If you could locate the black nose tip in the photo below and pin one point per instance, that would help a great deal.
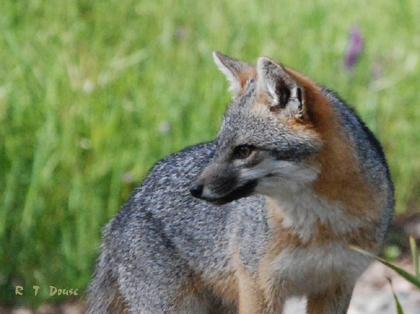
(197, 190)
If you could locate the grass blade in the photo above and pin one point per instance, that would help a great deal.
(397, 302)
(414, 280)
(415, 254)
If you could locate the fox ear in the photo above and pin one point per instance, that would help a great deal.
(237, 72)
(278, 85)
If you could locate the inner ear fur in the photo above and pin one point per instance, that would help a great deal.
(278, 87)
(236, 72)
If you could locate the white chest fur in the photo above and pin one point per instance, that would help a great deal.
(318, 263)
(312, 270)
(303, 211)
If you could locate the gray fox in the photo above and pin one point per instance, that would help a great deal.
(265, 212)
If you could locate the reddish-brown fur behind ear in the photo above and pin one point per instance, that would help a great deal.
(244, 78)
(340, 178)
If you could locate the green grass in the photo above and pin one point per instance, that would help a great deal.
(85, 86)
(413, 279)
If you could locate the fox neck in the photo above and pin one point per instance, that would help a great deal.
(306, 212)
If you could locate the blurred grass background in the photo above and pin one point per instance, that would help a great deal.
(92, 93)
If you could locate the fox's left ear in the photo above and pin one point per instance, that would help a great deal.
(237, 72)
(276, 85)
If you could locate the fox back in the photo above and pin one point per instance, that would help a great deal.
(265, 212)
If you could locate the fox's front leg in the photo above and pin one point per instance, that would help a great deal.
(253, 302)
(336, 301)
(252, 299)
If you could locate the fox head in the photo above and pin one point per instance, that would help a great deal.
(267, 142)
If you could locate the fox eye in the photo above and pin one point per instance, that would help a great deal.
(243, 151)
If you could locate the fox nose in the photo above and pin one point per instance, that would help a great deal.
(197, 190)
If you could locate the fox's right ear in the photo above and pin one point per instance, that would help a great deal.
(277, 85)
(237, 72)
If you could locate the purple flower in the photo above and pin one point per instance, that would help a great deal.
(354, 47)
